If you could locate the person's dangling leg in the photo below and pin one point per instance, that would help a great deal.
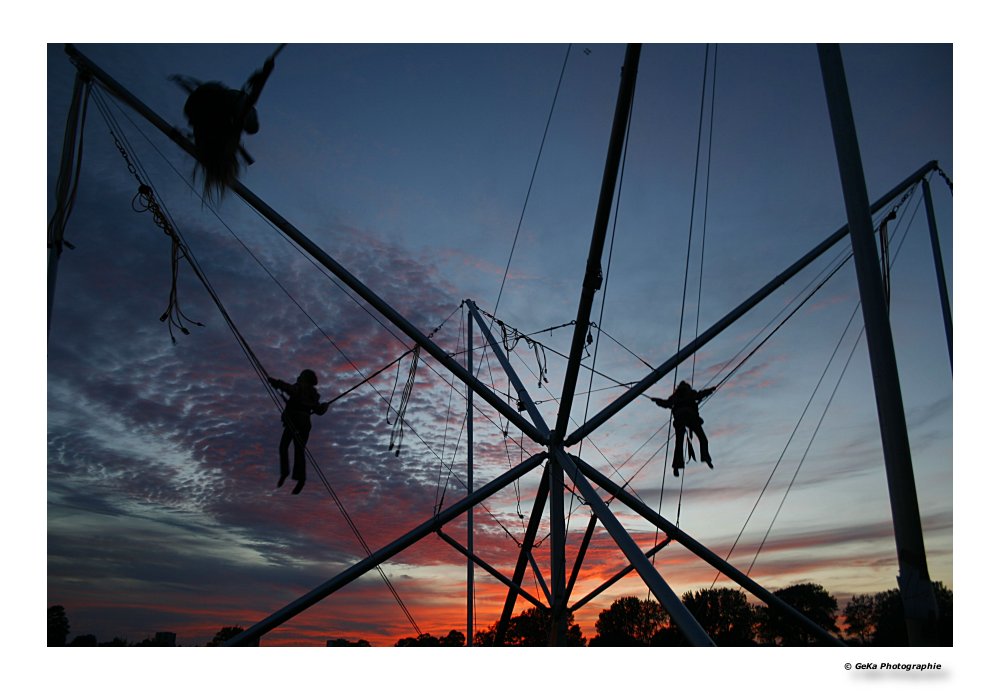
(678, 448)
(703, 444)
(286, 441)
(299, 470)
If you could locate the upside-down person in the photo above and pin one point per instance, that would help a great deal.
(219, 116)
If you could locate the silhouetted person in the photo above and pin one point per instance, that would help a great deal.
(302, 402)
(684, 403)
(219, 116)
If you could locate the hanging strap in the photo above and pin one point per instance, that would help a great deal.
(396, 435)
(883, 237)
(145, 201)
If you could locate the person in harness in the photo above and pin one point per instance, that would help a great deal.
(301, 403)
(684, 404)
(219, 116)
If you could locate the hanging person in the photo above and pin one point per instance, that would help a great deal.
(302, 402)
(684, 404)
(219, 116)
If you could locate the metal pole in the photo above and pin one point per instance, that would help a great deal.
(670, 364)
(581, 553)
(557, 522)
(385, 553)
(522, 557)
(938, 266)
(557, 550)
(491, 571)
(915, 585)
(539, 577)
(674, 533)
(318, 254)
(617, 577)
(679, 614)
(522, 392)
(592, 276)
(57, 226)
(470, 574)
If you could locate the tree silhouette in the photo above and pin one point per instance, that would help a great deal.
(58, 626)
(629, 621)
(813, 601)
(84, 640)
(226, 633)
(530, 628)
(860, 618)
(877, 619)
(344, 643)
(454, 638)
(723, 613)
(161, 639)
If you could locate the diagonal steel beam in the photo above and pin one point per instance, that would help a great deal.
(675, 533)
(324, 259)
(491, 571)
(384, 554)
(522, 393)
(581, 553)
(522, 557)
(617, 577)
(939, 267)
(539, 577)
(673, 362)
(679, 614)
(592, 275)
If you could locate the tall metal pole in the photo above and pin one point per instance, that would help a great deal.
(557, 551)
(916, 589)
(938, 266)
(470, 516)
(592, 275)
(557, 521)
(60, 216)
(592, 280)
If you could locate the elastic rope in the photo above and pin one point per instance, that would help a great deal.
(262, 374)
(905, 199)
(687, 267)
(531, 182)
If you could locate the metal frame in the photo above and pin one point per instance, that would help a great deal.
(558, 463)
(919, 605)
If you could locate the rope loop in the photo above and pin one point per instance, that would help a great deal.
(946, 178)
(396, 435)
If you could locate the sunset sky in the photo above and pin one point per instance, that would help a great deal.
(410, 165)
